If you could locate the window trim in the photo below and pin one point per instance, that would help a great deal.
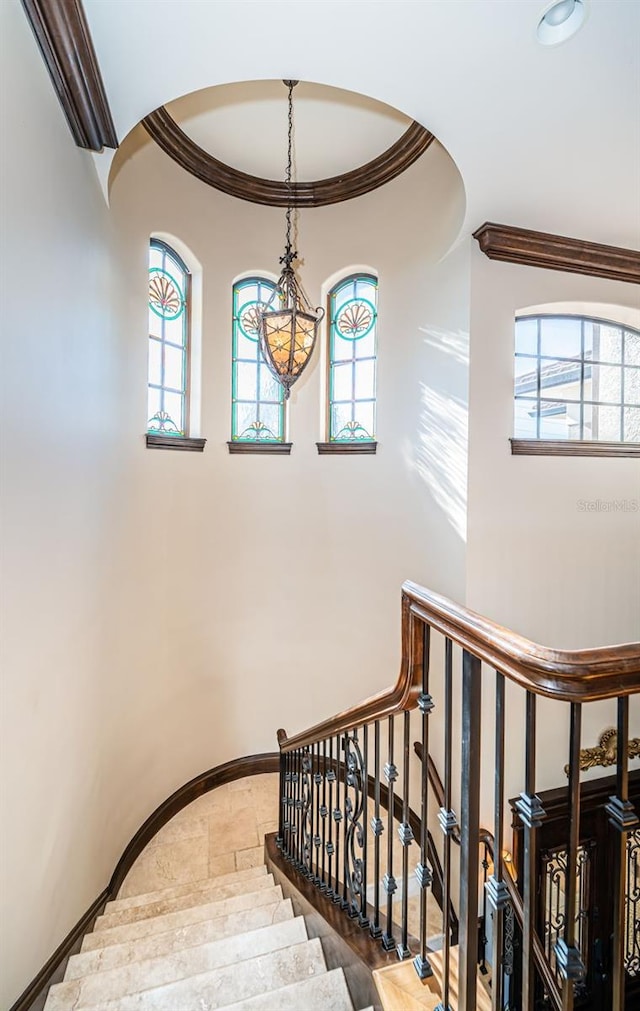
(573, 447)
(334, 447)
(265, 446)
(184, 441)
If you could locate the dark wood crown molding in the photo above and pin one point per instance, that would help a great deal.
(63, 35)
(557, 252)
(164, 130)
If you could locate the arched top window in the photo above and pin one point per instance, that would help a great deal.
(258, 407)
(169, 319)
(577, 378)
(352, 315)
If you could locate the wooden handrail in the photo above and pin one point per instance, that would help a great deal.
(585, 675)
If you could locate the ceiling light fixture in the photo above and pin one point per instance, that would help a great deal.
(288, 324)
(560, 21)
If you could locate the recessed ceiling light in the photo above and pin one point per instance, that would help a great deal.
(560, 22)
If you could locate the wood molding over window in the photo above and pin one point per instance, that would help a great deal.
(348, 448)
(63, 35)
(188, 444)
(557, 252)
(163, 129)
(567, 447)
(267, 448)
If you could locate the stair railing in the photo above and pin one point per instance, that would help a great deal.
(326, 833)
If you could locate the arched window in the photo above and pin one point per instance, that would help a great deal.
(576, 379)
(258, 409)
(353, 313)
(169, 316)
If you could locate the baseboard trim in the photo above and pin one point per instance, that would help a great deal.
(250, 765)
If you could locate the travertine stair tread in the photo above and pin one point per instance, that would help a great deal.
(153, 945)
(401, 989)
(328, 992)
(213, 893)
(483, 1001)
(147, 974)
(180, 918)
(185, 888)
(230, 984)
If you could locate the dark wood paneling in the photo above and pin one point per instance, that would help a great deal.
(62, 33)
(558, 252)
(559, 447)
(251, 765)
(346, 448)
(164, 130)
(268, 448)
(186, 444)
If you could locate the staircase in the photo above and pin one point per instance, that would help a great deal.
(233, 942)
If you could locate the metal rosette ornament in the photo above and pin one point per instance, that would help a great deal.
(288, 324)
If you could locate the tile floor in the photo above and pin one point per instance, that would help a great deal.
(224, 831)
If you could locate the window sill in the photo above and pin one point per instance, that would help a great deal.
(559, 447)
(185, 443)
(268, 448)
(348, 448)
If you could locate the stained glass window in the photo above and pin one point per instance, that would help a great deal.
(169, 293)
(353, 316)
(258, 411)
(576, 378)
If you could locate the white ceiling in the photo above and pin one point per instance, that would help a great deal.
(245, 125)
(545, 138)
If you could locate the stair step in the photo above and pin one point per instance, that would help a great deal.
(147, 974)
(328, 992)
(483, 1000)
(212, 893)
(173, 891)
(401, 989)
(155, 945)
(218, 988)
(181, 918)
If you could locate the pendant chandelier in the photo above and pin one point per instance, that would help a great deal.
(288, 325)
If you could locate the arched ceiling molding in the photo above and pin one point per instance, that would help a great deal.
(164, 130)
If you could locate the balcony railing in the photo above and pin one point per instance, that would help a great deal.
(353, 836)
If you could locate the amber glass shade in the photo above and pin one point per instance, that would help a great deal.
(287, 340)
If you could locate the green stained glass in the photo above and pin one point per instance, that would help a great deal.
(169, 288)
(258, 410)
(353, 319)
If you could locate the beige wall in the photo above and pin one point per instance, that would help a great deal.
(538, 561)
(160, 613)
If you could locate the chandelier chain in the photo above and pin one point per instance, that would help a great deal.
(289, 256)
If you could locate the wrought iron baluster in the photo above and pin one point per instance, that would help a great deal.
(496, 889)
(377, 828)
(532, 815)
(307, 813)
(391, 774)
(363, 918)
(448, 821)
(405, 836)
(337, 817)
(624, 820)
(354, 840)
(323, 815)
(331, 777)
(568, 958)
(345, 804)
(281, 802)
(423, 871)
(470, 830)
(286, 822)
(317, 838)
(297, 807)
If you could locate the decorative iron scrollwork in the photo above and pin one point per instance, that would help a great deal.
(355, 827)
(632, 905)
